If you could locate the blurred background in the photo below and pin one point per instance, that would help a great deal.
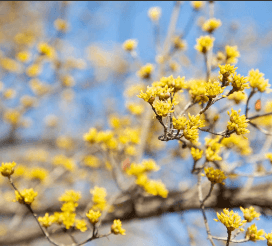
(63, 70)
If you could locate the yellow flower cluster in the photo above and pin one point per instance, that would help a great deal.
(26, 196)
(9, 64)
(47, 220)
(237, 122)
(197, 5)
(239, 143)
(34, 70)
(213, 89)
(216, 176)
(145, 71)
(105, 138)
(145, 166)
(163, 108)
(38, 87)
(99, 198)
(136, 109)
(9, 93)
(117, 122)
(154, 13)
(116, 228)
(191, 130)
(237, 97)
(150, 186)
(170, 83)
(93, 216)
(67, 163)
(250, 214)
(232, 53)
(130, 44)
(91, 161)
(196, 153)
(269, 239)
(179, 44)
(65, 142)
(12, 116)
(253, 234)
(46, 50)
(179, 123)
(226, 73)
(198, 90)
(256, 80)
(213, 149)
(37, 173)
(68, 81)
(81, 225)
(67, 216)
(204, 44)
(269, 156)
(7, 168)
(28, 101)
(61, 25)
(239, 82)
(23, 56)
(211, 25)
(230, 219)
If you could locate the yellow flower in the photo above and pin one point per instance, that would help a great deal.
(68, 81)
(225, 73)
(237, 122)
(145, 71)
(213, 89)
(163, 108)
(269, 239)
(91, 161)
(12, 116)
(93, 216)
(253, 234)
(211, 25)
(196, 153)
(46, 221)
(198, 90)
(9, 93)
(239, 143)
(154, 13)
(216, 176)
(213, 148)
(26, 196)
(81, 225)
(38, 173)
(232, 54)
(70, 196)
(27, 101)
(116, 228)
(7, 168)
(65, 142)
(9, 64)
(179, 123)
(230, 219)
(130, 45)
(239, 82)
(250, 214)
(197, 5)
(61, 25)
(69, 207)
(136, 109)
(33, 70)
(269, 156)
(156, 188)
(149, 95)
(68, 219)
(256, 80)
(204, 44)
(90, 136)
(23, 56)
(99, 198)
(237, 97)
